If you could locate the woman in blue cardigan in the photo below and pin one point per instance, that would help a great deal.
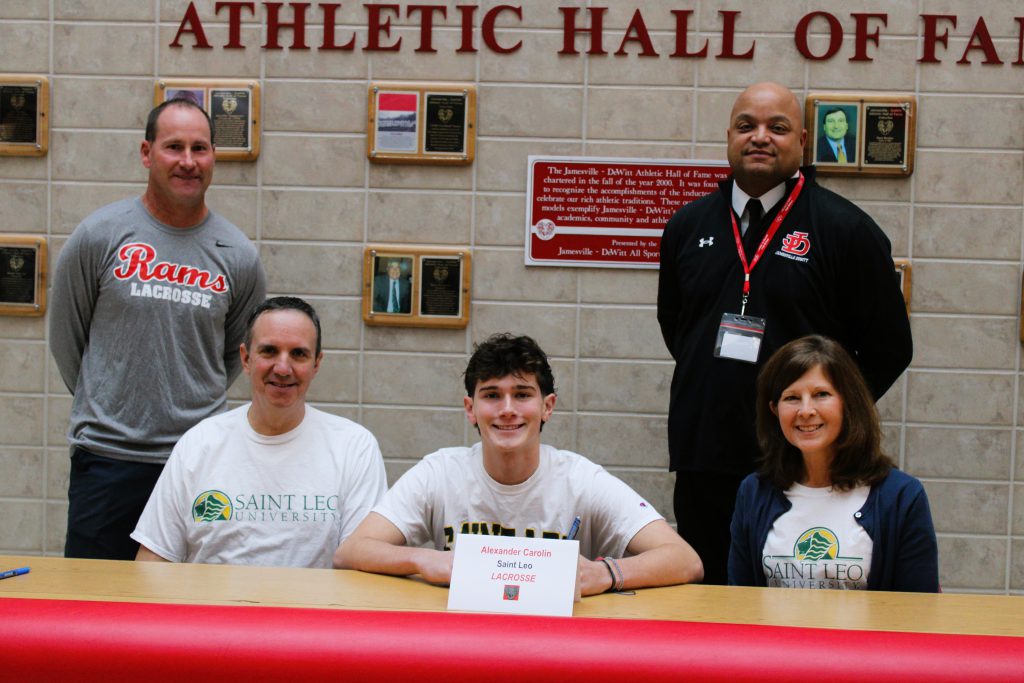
(827, 509)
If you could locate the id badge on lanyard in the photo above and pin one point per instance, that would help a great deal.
(739, 336)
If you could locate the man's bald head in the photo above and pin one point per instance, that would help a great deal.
(766, 137)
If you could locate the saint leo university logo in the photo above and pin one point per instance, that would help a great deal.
(211, 506)
(816, 544)
(796, 243)
(511, 592)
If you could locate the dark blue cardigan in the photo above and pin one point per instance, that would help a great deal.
(904, 554)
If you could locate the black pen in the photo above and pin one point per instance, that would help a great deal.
(16, 572)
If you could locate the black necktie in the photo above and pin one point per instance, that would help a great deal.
(754, 213)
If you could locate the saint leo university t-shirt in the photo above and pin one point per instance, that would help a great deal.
(818, 543)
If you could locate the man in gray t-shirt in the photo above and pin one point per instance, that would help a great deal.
(150, 297)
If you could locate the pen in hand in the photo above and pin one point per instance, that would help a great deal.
(14, 572)
(574, 529)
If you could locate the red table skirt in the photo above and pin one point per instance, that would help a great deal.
(56, 640)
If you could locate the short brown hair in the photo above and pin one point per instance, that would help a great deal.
(859, 459)
(154, 116)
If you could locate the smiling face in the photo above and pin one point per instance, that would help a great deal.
(180, 162)
(836, 125)
(810, 412)
(765, 137)
(508, 412)
(281, 362)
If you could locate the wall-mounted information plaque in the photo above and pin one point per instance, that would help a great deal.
(409, 286)
(860, 134)
(233, 106)
(421, 123)
(24, 115)
(22, 275)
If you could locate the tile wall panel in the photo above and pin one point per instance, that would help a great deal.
(313, 201)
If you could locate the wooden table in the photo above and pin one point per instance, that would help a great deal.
(103, 620)
(58, 578)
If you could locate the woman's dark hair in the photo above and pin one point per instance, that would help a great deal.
(859, 459)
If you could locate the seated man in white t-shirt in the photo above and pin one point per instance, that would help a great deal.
(509, 484)
(274, 482)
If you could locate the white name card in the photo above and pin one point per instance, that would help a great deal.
(513, 575)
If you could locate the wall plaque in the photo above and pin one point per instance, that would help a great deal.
(860, 134)
(22, 275)
(608, 212)
(24, 115)
(412, 123)
(412, 286)
(233, 107)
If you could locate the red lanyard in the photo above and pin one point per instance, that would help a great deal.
(783, 212)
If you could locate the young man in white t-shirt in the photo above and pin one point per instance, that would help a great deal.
(274, 482)
(510, 484)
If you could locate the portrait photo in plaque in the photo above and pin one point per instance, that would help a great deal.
(415, 286)
(392, 284)
(860, 133)
(24, 102)
(836, 139)
(232, 105)
(22, 281)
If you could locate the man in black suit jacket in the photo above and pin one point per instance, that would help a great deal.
(836, 126)
(384, 301)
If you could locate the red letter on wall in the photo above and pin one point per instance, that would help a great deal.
(1020, 41)
(682, 27)
(426, 24)
(569, 30)
(931, 36)
(639, 28)
(467, 12)
(375, 26)
(981, 39)
(330, 11)
(235, 21)
(861, 35)
(487, 28)
(835, 39)
(298, 25)
(195, 27)
(729, 38)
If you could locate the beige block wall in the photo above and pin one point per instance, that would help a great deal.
(312, 201)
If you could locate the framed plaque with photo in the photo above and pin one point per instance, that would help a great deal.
(233, 107)
(421, 123)
(24, 115)
(412, 286)
(22, 275)
(860, 134)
